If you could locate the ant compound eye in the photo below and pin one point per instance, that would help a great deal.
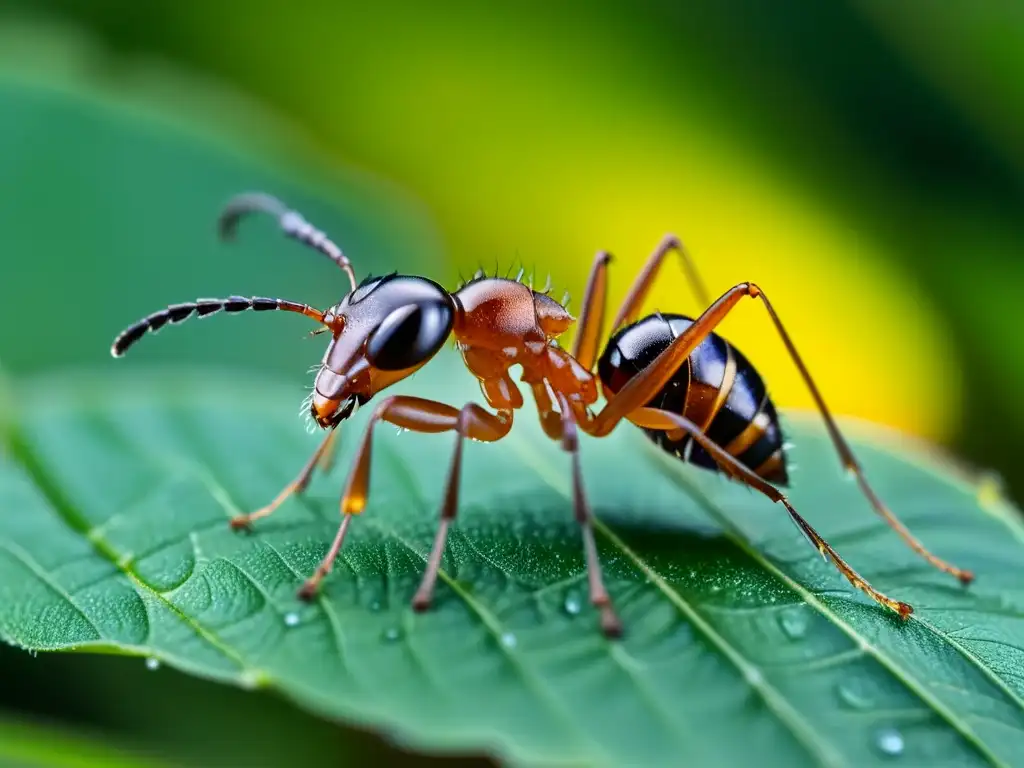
(409, 335)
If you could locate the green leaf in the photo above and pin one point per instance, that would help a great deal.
(741, 646)
(29, 745)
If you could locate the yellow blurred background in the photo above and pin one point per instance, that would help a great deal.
(543, 132)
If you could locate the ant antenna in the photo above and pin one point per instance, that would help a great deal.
(291, 222)
(176, 313)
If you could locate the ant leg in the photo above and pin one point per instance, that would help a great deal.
(642, 387)
(326, 458)
(610, 623)
(651, 418)
(550, 419)
(418, 415)
(591, 322)
(641, 286)
(647, 383)
(476, 423)
(850, 462)
(298, 485)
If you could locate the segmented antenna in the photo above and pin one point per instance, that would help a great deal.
(292, 224)
(176, 313)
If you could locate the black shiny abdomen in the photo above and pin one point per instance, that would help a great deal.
(697, 391)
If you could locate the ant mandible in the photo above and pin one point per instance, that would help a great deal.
(689, 389)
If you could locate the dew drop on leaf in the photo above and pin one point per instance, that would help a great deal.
(391, 634)
(375, 606)
(508, 640)
(291, 619)
(152, 664)
(890, 742)
(573, 604)
(794, 623)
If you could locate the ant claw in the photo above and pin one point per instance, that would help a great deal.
(905, 610)
(241, 523)
(308, 590)
(420, 603)
(611, 625)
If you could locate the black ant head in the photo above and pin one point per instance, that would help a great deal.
(384, 330)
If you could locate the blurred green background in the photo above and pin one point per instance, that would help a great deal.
(862, 161)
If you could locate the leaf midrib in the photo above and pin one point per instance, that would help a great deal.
(22, 454)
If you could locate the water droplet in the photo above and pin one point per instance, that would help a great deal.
(890, 742)
(391, 634)
(794, 623)
(152, 664)
(509, 640)
(856, 694)
(573, 604)
(375, 606)
(291, 619)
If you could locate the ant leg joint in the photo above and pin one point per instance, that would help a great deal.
(421, 603)
(611, 624)
(309, 589)
(241, 523)
(671, 240)
(307, 592)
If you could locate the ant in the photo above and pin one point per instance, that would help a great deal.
(689, 389)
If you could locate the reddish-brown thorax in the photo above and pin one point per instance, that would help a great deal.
(500, 323)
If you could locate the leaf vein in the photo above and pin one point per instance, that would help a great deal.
(29, 562)
(908, 680)
(787, 715)
(494, 627)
